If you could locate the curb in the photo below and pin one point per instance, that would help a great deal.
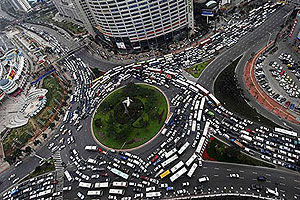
(140, 146)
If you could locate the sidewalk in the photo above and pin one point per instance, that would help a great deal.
(261, 97)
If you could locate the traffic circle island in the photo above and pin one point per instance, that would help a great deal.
(130, 116)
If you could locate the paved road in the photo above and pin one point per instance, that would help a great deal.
(246, 46)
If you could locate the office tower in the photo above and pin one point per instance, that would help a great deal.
(137, 25)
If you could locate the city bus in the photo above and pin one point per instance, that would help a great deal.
(68, 176)
(116, 191)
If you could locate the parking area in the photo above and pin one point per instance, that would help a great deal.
(279, 75)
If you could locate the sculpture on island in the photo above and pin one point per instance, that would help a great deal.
(126, 104)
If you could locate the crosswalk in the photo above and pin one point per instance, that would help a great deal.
(59, 174)
(57, 160)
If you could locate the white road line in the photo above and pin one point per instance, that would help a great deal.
(254, 172)
(282, 177)
(216, 175)
(242, 171)
(297, 181)
(229, 170)
(268, 174)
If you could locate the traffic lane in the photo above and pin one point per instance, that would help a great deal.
(89, 59)
(29, 164)
(250, 40)
(284, 180)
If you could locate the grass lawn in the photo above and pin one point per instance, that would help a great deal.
(117, 129)
(197, 69)
(43, 169)
(217, 150)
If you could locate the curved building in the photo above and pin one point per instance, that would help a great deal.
(8, 86)
(139, 25)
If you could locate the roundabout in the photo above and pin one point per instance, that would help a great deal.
(130, 116)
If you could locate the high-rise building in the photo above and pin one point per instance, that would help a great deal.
(21, 5)
(67, 9)
(129, 25)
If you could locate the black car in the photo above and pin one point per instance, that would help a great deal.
(256, 187)
(261, 178)
(137, 189)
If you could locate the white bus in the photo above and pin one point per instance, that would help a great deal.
(101, 185)
(192, 170)
(95, 193)
(170, 160)
(177, 166)
(68, 176)
(183, 148)
(119, 184)
(286, 132)
(191, 160)
(202, 103)
(199, 116)
(116, 191)
(194, 124)
(178, 174)
(171, 152)
(91, 148)
(85, 185)
(153, 194)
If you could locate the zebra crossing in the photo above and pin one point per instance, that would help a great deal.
(59, 174)
(57, 161)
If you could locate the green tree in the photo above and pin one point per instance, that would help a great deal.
(28, 149)
(98, 122)
(44, 135)
(52, 125)
(231, 152)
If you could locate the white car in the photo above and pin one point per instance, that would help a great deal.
(183, 191)
(185, 184)
(234, 175)
(80, 195)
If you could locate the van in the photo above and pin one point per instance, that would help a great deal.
(203, 179)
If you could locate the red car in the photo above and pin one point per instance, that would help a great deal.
(287, 104)
(145, 178)
(104, 174)
(154, 158)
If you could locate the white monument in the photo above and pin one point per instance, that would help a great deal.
(126, 104)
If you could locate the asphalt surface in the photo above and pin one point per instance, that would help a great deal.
(249, 44)
(286, 181)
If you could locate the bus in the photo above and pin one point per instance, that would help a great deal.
(101, 185)
(171, 152)
(116, 191)
(191, 160)
(85, 185)
(166, 173)
(153, 194)
(169, 161)
(177, 166)
(286, 132)
(97, 79)
(192, 170)
(183, 148)
(94, 193)
(178, 174)
(119, 184)
(91, 148)
(214, 99)
(68, 176)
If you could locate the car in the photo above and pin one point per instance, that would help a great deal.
(137, 190)
(234, 175)
(203, 179)
(261, 178)
(169, 188)
(163, 185)
(185, 184)
(80, 195)
(67, 188)
(183, 191)
(256, 187)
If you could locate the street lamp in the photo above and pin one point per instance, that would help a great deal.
(269, 38)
